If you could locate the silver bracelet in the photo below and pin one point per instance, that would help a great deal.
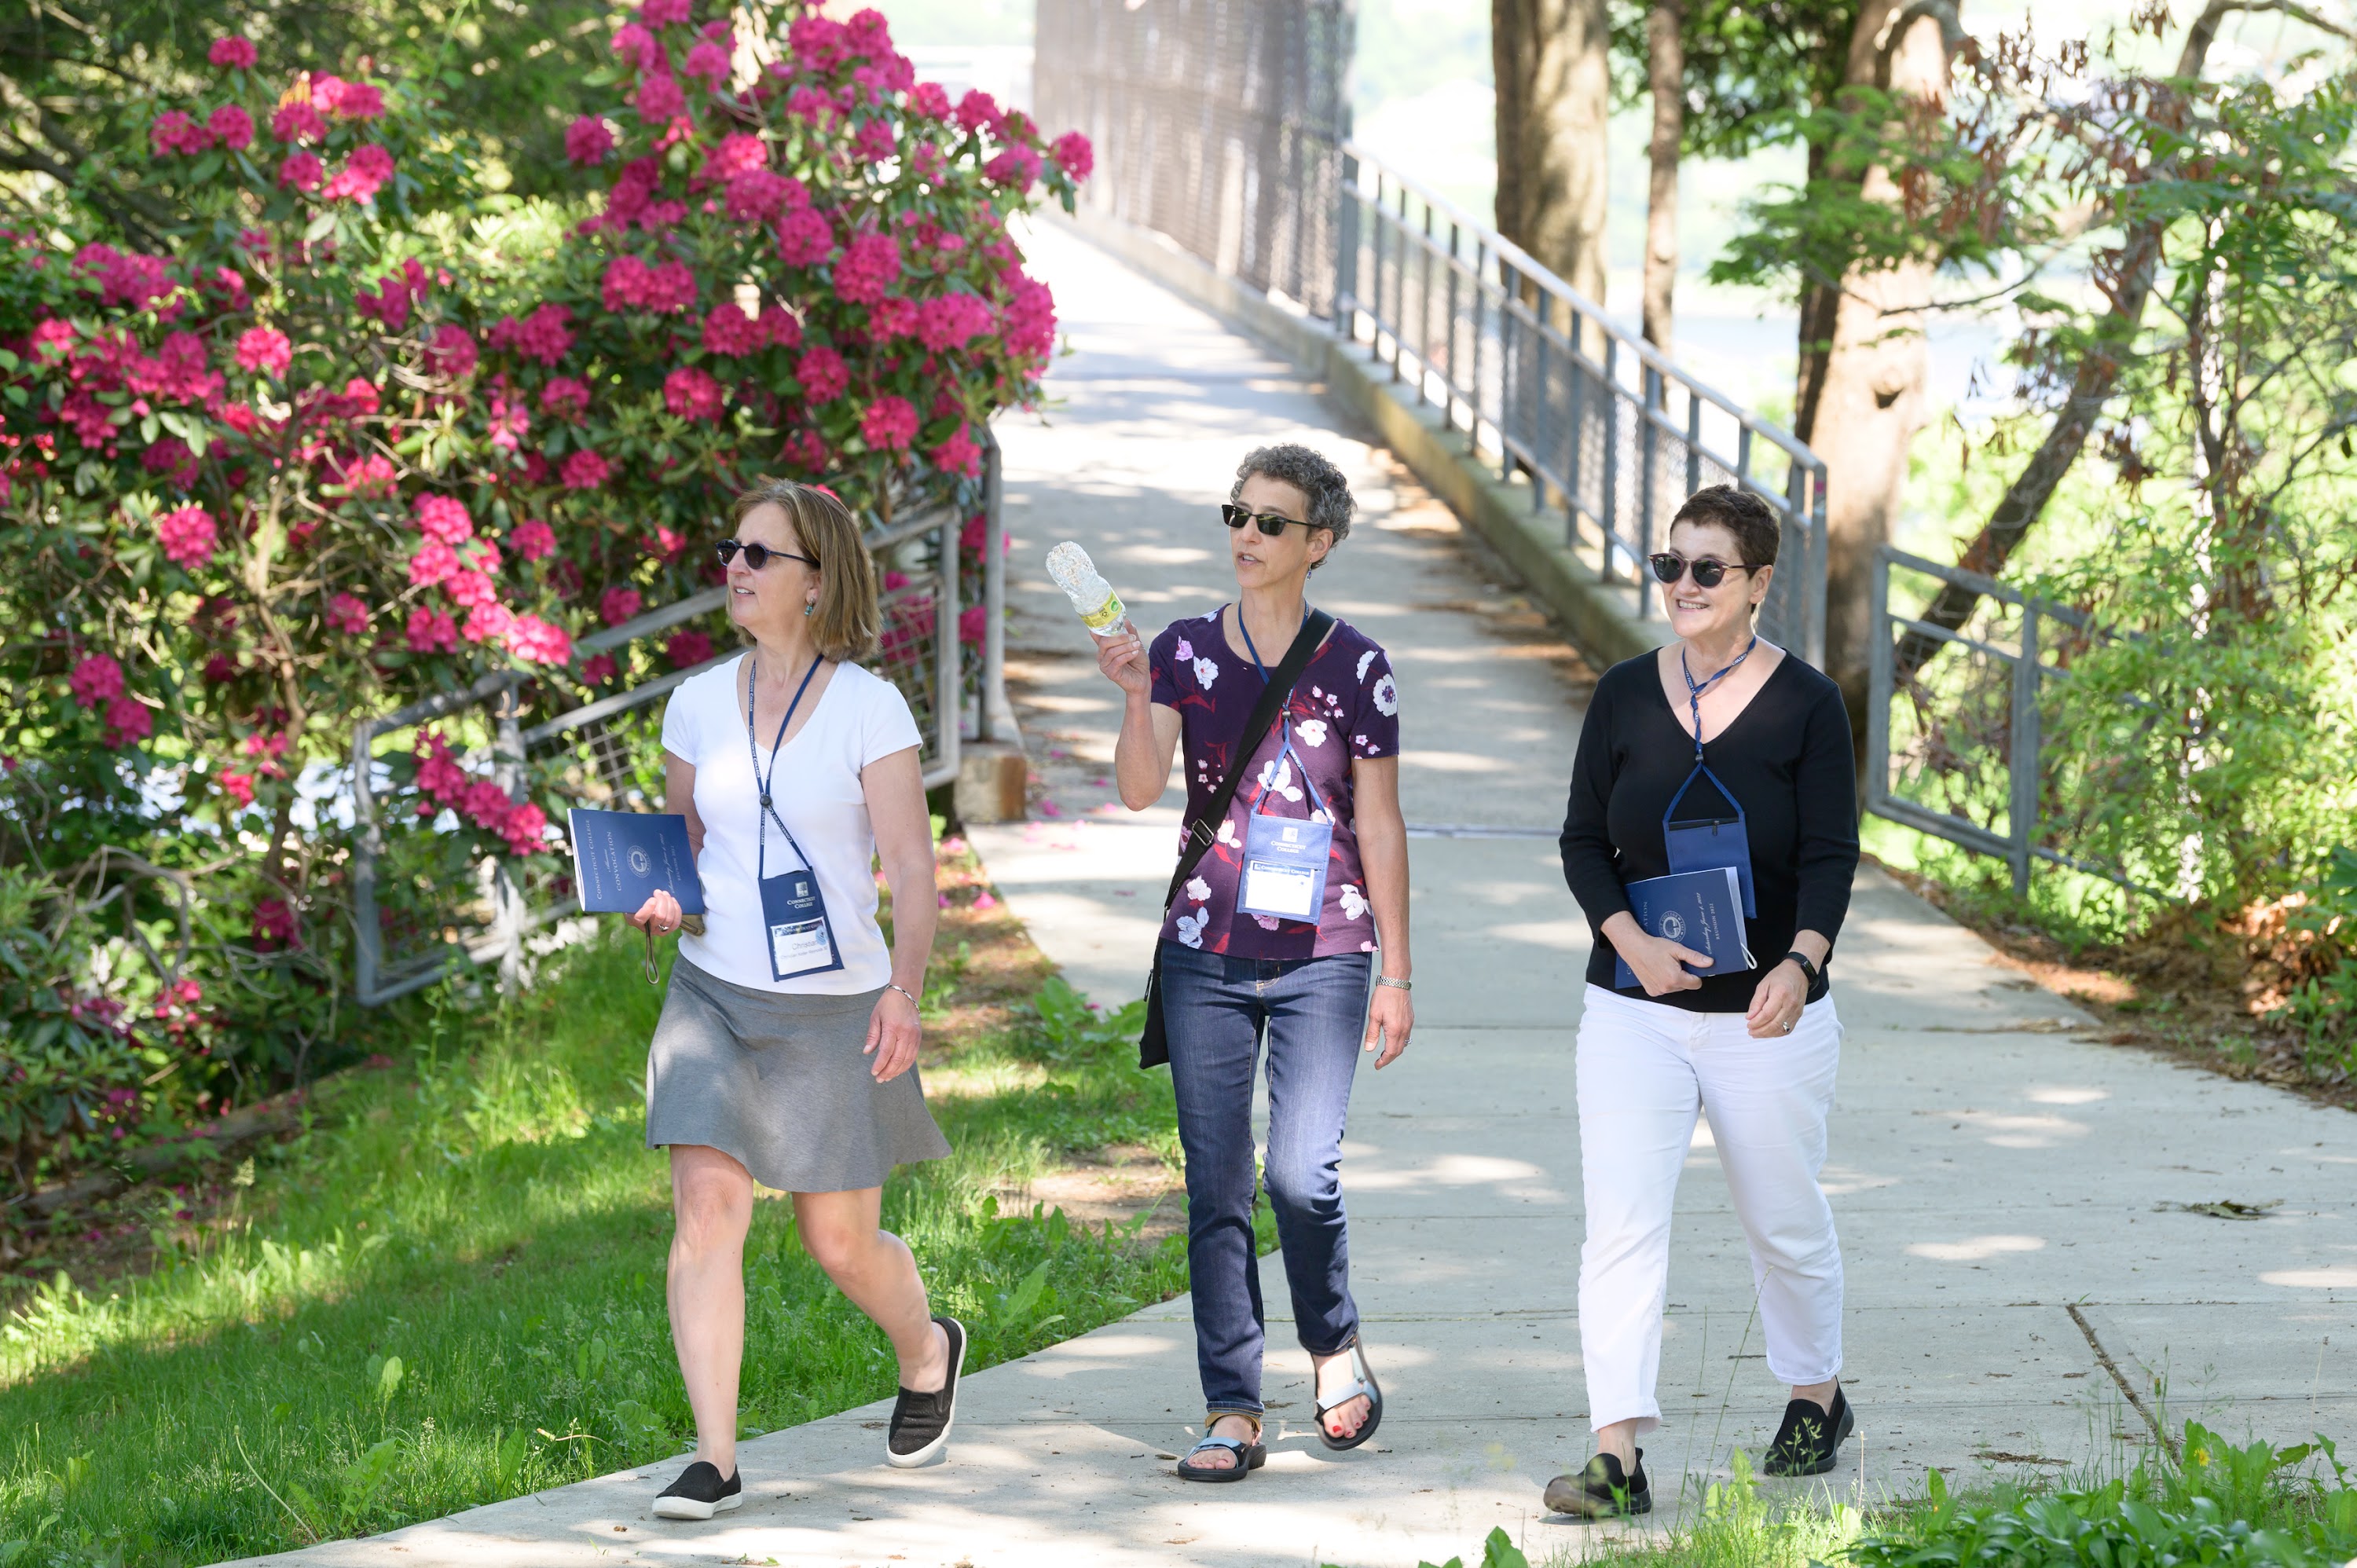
(1396, 984)
(907, 993)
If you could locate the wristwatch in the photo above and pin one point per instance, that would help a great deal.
(1811, 971)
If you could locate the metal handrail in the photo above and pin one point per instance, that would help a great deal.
(1542, 381)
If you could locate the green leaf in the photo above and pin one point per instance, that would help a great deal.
(388, 1381)
(319, 228)
(205, 167)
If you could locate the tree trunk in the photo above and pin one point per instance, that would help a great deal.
(1665, 62)
(1863, 366)
(1554, 96)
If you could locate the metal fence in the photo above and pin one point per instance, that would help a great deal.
(1964, 745)
(1219, 122)
(1540, 379)
(414, 925)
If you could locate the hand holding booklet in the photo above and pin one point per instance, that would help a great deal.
(620, 858)
(1697, 909)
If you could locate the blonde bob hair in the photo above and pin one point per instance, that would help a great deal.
(844, 625)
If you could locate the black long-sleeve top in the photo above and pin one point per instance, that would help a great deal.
(1786, 758)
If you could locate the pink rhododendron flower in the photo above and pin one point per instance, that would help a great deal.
(232, 127)
(510, 423)
(525, 826)
(536, 641)
(232, 54)
(131, 280)
(444, 518)
(303, 171)
(273, 924)
(894, 315)
(729, 330)
(189, 536)
(171, 457)
(615, 606)
(238, 787)
(868, 265)
(708, 61)
(127, 719)
(690, 392)
(757, 195)
(1030, 319)
(637, 48)
(1015, 168)
(95, 680)
(663, 13)
(874, 141)
(174, 133)
(354, 100)
(929, 99)
(959, 455)
(488, 621)
(587, 141)
(468, 586)
(952, 321)
(434, 562)
(348, 615)
(687, 649)
(818, 42)
(298, 122)
(889, 424)
(823, 374)
(585, 470)
(977, 111)
(533, 540)
(630, 283)
(266, 349)
(780, 327)
(1073, 155)
(737, 152)
(363, 174)
(660, 98)
(565, 398)
(432, 631)
(599, 669)
(452, 353)
(972, 622)
(804, 238)
(544, 335)
(371, 476)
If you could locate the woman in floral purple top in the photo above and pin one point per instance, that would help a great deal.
(1242, 954)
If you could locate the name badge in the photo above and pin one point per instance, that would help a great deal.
(801, 939)
(1285, 867)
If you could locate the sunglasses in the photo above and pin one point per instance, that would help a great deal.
(1268, 522)
(1669, 566)
(756, 555)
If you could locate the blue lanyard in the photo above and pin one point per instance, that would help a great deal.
(770, 811)
(1694, 689)
(1285, 720)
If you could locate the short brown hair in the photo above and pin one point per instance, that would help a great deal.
(1743, 514)
(844, 625)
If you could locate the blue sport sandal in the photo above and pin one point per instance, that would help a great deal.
(1251, 1454)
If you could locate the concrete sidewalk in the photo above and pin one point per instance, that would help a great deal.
(2004, 1187)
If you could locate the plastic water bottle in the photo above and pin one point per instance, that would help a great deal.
(1100, 608)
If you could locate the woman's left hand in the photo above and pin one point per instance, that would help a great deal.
(893, 1033)
(1776, 1005)
(1390, 1018)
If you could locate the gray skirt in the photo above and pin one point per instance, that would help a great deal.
(781, 1082)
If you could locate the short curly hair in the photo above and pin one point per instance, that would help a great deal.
(1320, 483)
(1743, 514)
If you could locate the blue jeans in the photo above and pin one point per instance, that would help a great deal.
(1215, 1009)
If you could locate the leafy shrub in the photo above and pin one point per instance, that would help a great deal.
(350, 430)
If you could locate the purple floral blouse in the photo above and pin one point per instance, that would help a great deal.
(1345, 706)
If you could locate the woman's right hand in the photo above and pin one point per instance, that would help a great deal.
(660, 914)
(1658, 963)
(1122, 658)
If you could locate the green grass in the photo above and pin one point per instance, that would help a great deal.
(450, 1291)
(2222, 1506)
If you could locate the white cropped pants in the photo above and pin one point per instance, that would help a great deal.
(1646, 1069)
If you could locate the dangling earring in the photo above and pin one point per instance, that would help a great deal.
(809, 605)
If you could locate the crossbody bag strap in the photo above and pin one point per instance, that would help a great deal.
(1200, 834)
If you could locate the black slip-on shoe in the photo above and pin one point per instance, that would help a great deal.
(699, 1493)
(1810, 1437)
(921, 1422)
(1602, 1491)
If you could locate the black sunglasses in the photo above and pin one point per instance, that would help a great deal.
(759, 555)
(1668, 567)
(1268, 522)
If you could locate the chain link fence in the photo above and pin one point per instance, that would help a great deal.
(1219, 122)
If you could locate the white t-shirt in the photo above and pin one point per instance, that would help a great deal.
(859, 717)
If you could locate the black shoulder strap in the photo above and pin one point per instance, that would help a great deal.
(1200, 833)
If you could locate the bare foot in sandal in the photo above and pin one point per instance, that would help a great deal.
(1241, 1427)
(1335, 1373)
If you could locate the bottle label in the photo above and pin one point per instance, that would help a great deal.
(1105, 617)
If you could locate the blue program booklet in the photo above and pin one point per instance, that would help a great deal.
(621, 857)
(1699, 910)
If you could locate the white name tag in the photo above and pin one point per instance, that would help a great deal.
(800, 947)
(1272, 887)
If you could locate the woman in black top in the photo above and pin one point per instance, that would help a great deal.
(1719, 750)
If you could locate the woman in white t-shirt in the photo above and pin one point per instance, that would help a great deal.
(786, 1048)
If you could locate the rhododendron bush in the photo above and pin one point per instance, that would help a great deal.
(360, 433)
